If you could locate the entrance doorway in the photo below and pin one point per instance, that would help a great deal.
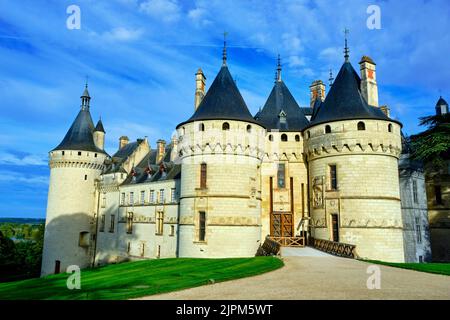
(335, 227)
(57, 266)
(281, 225)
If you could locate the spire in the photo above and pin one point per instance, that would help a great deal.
(331, 78)
(346, 49)
(279, 69)
(224, 52)
(85, 98)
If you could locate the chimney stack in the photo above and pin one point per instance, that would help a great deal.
(317, 89)
(200, 81)
(174, 151)
(369, 88)
(161, 150)
(123, 141)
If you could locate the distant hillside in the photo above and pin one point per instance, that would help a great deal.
(22, 220)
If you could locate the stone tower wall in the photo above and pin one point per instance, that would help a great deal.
(72, 202)
(367, 198)
(232, 197)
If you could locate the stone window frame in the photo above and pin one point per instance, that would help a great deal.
(112, 225)
(332, 186)
(159, 223)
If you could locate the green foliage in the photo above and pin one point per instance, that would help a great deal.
(433, 145)
(439, 268)
(23, 258)
(141, 278)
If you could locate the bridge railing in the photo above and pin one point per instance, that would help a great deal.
(289, 241)
(335, 248)
(269, 248)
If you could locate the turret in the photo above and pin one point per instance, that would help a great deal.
(441, 106)
(220, 150)
(352, 151)
(99, 135)
(75, 165)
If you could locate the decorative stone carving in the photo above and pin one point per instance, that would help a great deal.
(318, 189)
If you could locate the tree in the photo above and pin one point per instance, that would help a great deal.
(7, 256)
(433, 145)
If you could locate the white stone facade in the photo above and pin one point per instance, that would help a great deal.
(234, 175)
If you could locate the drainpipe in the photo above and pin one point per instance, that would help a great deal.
(97, 182)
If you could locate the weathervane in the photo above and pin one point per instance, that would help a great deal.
(331, 78)
(346, 50)
(224, 52)
(279, 69)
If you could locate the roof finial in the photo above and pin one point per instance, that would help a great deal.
(331, 78)
(87, 80)
(346, 50)
(279, 69)
(224, 52)
(85, 98)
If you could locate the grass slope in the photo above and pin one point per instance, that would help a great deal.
(438, 268)
(141, 278)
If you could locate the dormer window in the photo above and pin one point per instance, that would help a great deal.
(282, 116)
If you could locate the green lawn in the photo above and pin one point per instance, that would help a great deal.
(439, 268)
(136, 279)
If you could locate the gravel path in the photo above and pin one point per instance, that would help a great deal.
(319, 276)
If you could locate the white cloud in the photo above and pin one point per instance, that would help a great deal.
(123, 34)
(11, 176)
(28, 160)
(292, 43)
(296, 61)
(165, 10)
(197, 16)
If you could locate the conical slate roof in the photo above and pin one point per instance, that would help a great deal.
(345, 102)
(99, 126)
(441, 102)
(281, 100)
(222, 101)
(79, 136)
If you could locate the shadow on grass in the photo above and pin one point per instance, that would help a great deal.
(136, 279)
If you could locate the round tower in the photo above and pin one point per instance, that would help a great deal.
(352, 151)
(75, 164)
(220, 149)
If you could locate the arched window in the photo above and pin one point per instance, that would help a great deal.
(249, 128)
(226, 126)
(270, 137)
(327, 129)
(284, 137)
(361, 126)
(390, 127)
(297, 138)
(201, 127)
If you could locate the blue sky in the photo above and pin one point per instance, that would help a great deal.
(141, 57)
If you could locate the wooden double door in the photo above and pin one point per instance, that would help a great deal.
(281, 224)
